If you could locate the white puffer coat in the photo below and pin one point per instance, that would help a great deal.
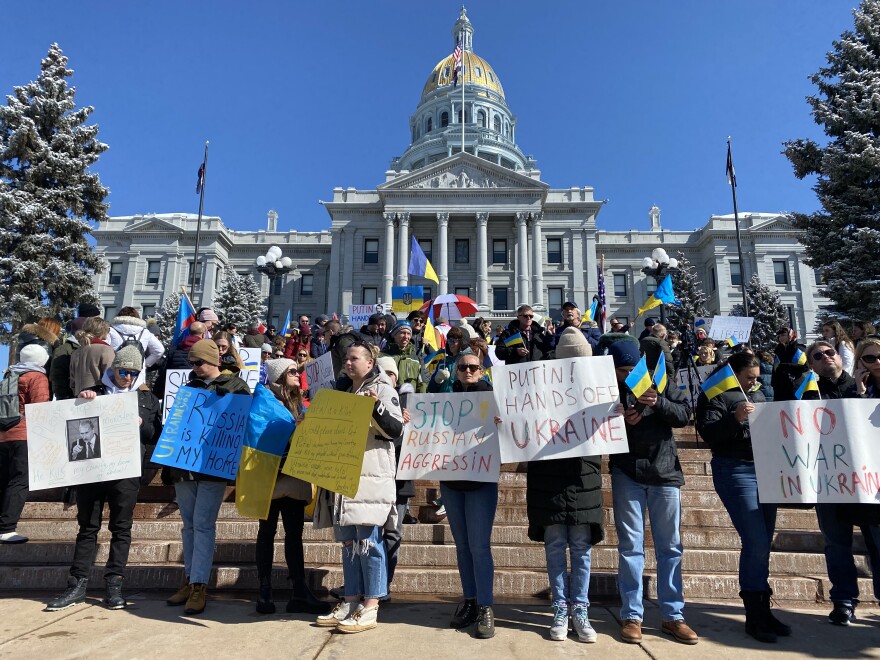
(137, 328)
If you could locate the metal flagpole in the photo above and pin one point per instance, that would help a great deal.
(203, 173)
(731, 179)
(461, 41)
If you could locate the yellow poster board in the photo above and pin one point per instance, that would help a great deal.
(328, 447)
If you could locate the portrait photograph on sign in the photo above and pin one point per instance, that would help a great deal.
(83, 438)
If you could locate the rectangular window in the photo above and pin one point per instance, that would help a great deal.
(554, 300)
(427, 246)
(463, 291)
(820, 280)
(620, 285)
(189, 275)
(651, 285)
(369, 295)
(148, 310)
(153, 268)
(277, 282)
(109, 313)
(499, 298)
(462, 251)
(554, 250)
(736, 278)
(712, 278)
(371, 252)
(780, 272)
(307, 284)
(499, 251)
(115, 272)
(427, 293)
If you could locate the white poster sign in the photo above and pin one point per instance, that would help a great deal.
(696, 376)
(450, 437)
(724, 327)
(251, 372)
(817, 451)
(358, 315)
(558, 409)
(79, 441)
(704, 322)
(319, 374)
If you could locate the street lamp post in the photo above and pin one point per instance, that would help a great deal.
(658, 265)
(273, 266)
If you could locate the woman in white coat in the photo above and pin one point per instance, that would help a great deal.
(357, 523)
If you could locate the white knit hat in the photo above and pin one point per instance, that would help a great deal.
(387, 363)
(34, 355)
(276, 367)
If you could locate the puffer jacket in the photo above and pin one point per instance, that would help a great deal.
(717, 425)
(374, 503)
(409, 368)
(33, 387)
(122, 327)
(565, 491)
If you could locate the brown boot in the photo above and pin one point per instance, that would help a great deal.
(195, 604)
(631, 631)
(181, 595)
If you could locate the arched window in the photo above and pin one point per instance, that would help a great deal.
(465, 117)
(429, 125)
(507, 129)
(446, 72)
(444, 119)
(481, 118)
(496, 123)
(478, 72)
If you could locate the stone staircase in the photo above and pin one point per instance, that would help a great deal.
(427, 566)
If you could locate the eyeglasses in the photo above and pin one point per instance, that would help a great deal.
(468, 367)
(197, 363)
(135, 374)
(870, 358)
(828, 352)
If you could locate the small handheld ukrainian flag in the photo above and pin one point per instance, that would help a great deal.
(775, 362)
(660, 380)
(434, 358)
(718, 383)
(285, 329)
(639, 380)
(590, 314)
(799, 357)
(810, 384)
(732, 341)
(514, 340)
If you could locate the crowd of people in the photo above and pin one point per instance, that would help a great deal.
(387, 360)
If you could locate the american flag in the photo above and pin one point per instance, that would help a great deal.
(456, 58)
(601, 311)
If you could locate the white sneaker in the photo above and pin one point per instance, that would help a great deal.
(13, 537)
(340, 612)
(582, 627)
(363, 618)
(559, 627)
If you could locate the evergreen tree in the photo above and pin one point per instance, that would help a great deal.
(842, 240)
(239, 299)
(166, 318)
(689, 290)
(765, 306)
(48, 198)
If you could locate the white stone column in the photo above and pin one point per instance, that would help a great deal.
(482, 261)
(537, 263)
(402, 250)
(130, 274)
(443, 252)
(334, 284)
(522, 263)
(389, 256)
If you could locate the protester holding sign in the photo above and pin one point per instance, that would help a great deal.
(723, 422)
(357, 521)
(124, 375)
(649, 478)
(199, 496)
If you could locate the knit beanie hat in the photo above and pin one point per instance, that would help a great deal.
(266, 348)
(401, 325)
(276, 367)
(205, 349)
(86, 310)
(572, 343)
(387, 363)
(34, 355)
(128, 357)
(625, 353)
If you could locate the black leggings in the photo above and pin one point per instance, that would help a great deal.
(292, 516)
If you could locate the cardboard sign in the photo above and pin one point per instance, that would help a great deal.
(451, 436)
(817, 451)
(558, 409)
(319, 374)
(80, 441)
(358, 315)
(204, 432)
(731, 326)
(327, 448)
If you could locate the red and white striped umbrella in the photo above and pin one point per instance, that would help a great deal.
(450, 306)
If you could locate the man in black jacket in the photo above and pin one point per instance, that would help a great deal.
(536, 343)
(786, 370)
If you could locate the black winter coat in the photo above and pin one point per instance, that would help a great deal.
(720, 429)
(785, 373)
(565, 491)
(539, 344)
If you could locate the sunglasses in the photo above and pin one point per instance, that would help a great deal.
(870, 359)
(135, 374)
(302, 355)
(292, 372)
(279, 355)
(527, 316)
(828, 352)
(468, 367)
(197, 363)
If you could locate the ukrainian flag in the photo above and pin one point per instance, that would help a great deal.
(660, 380)
(407, 298)
(664, 295)
(432, 337)
(285, 329)
(775, 362)
(799, 357)
(514, 340)
(721, 381)
(639, 380)
(732, 341)
(433, 359)
(419, 264)
(268, 432)
(590, 314)
(810, 384)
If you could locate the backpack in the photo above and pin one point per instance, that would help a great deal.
(131, 340)
(10, 414)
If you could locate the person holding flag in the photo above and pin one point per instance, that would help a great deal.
(722, 420)
(789, 364)
(571, 318)
(524, 340)
(648, 479)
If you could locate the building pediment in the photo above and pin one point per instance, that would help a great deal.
(463, 172)
(779, 223)
(152, 225)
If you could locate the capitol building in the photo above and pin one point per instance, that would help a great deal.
(491, 227)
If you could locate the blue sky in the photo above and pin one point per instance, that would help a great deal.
(633, 98)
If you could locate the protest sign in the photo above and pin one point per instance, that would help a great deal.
(358, 315)
(83, 441)
(319, 374)
(451, 436)
(327, 448)
(558, 409)
(724, 327)
(684, 382)
(251, 372)
(204, 432)
(704, 322)
(817, 451)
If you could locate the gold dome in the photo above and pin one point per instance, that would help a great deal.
(477, 72)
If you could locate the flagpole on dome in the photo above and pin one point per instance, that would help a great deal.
(200, 189)
(461, 41)
(731, 179)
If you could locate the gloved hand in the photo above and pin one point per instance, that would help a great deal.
(441, 376)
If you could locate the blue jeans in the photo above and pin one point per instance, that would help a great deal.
(663, 504)
(737, 486)
(471, 514)
(364, 566)
(578, 538)
(199, 503)
(837, 529)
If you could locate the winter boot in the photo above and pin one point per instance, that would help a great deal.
(76, 593)
(758, 624)
(265, 604)
(781, 629)
(198, 597)
(180, 596)
(114, 600)
(303, 600)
